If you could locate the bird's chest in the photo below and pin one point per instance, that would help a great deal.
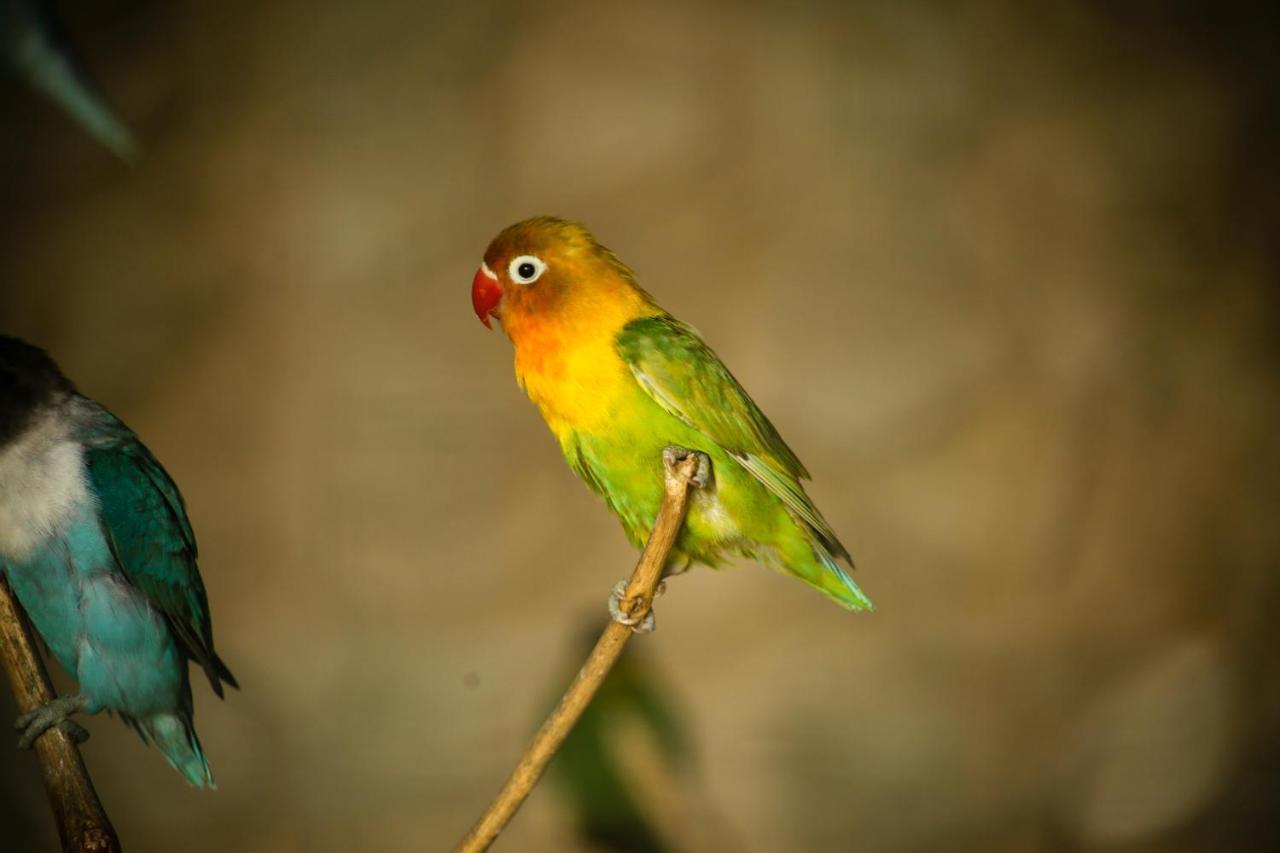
(42, 487)
(578, 387)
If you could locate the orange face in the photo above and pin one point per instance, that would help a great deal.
(562, 299)
(524, 271)
(549, 272)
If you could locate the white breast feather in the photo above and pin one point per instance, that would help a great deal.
(42, 485)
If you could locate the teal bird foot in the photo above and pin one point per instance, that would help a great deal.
(56, 713)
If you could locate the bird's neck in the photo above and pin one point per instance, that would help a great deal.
(567, 361)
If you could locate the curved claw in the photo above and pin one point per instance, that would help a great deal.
(78, 733)
(640, 625)
(702, 476)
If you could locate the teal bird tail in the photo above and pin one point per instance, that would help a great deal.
(176, 738)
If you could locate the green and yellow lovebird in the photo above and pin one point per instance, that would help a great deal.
(619, 380)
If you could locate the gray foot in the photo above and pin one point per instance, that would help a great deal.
(35, 723)
(639, 626)
(701, 477)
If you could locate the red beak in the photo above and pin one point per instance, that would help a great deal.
(486, 293)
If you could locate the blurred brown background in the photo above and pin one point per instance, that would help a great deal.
(1004, 274)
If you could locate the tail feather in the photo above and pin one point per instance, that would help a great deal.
(217, 673)
(802, 556)
(837, 584)
(199, 648)
(812, 555)
(175, 737)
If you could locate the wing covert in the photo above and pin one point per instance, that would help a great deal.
(687, 379)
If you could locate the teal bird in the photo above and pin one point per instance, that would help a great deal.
(96, 545)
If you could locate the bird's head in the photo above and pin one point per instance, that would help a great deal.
(29, 380)
(550, 270)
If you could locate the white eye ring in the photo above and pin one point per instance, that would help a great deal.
(519, 269)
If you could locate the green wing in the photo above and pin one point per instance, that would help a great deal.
(690, 382)
(147, 528)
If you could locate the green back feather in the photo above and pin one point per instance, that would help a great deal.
(687, 379)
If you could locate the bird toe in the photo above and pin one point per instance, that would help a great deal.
(675, 454)
(639, 624)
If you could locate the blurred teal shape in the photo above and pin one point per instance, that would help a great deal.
(590, 771)
(34, 46)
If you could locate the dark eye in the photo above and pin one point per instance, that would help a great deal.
(526, 269)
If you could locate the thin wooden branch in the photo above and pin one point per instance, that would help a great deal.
(635, 604)
(82, 823)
